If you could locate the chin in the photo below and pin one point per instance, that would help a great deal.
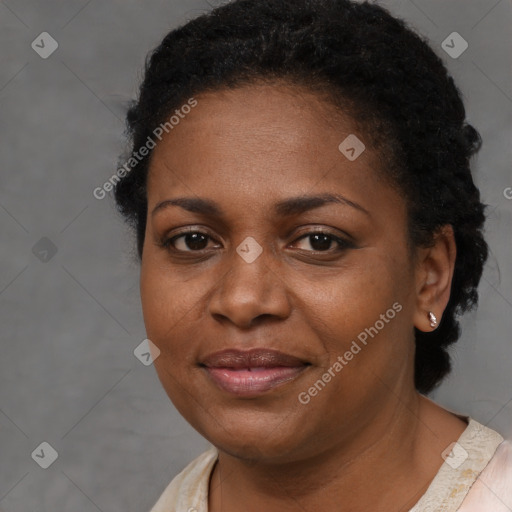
(252, 437)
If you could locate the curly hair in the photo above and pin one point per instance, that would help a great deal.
(374, 66)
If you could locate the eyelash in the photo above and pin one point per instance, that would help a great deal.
(167, 243)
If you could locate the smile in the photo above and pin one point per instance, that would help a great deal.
(251, 373)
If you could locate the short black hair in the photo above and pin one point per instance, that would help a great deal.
(382, 72)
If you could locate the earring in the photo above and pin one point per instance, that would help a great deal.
(432, 318)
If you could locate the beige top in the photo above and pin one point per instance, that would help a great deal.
(474, 462)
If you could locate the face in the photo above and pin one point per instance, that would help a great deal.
(284, 326)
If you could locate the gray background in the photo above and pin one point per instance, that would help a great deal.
(70, 324)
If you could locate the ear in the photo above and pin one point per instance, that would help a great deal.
(434, 272)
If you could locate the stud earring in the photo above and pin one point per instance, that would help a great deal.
(432, 318)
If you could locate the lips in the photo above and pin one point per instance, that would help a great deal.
(252, 372)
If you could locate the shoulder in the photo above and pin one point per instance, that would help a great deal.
(464, 461)
(492, 491)
(189, 489)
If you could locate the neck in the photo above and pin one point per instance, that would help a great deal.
(388, 465)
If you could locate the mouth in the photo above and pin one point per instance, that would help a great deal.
(253, 372)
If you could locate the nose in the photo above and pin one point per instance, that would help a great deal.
(250, 292)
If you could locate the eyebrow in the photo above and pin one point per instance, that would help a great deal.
(288, 207)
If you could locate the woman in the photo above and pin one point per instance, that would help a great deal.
(308, 230)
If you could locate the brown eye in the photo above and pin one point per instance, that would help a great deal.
(188, 242)
(322, 242)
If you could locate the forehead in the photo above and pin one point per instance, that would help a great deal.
(261, 142)
(280, 117)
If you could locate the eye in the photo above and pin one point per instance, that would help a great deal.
(321, 241)
(195, 241)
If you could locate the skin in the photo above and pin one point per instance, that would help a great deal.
(368, 440)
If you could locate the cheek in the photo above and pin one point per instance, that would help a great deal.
(360, 314)
(174, 306)
(169, 308)
(166, 302)
(350, 300)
